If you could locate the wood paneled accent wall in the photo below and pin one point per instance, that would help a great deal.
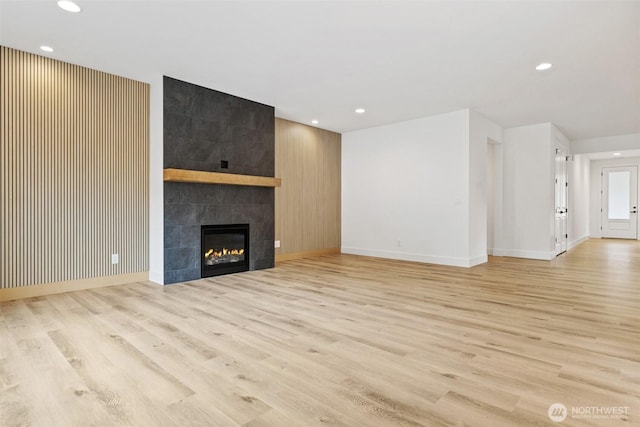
(308, 202)
(74, 171)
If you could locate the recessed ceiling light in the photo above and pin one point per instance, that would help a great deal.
(315, 122)
(360, 110)
(69, 6)
(544, 66)
(617, 154)
(46, 48)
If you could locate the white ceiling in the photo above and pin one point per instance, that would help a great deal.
(624, 154)
(399, 60)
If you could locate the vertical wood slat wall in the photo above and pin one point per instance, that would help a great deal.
(73, 171)
(308, 215)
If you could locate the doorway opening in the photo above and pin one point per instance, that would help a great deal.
(619, 205)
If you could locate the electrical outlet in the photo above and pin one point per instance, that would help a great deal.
(276, 244)
(115, 258)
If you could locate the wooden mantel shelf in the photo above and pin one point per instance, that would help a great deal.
(204, 177)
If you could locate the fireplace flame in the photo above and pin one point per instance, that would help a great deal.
(217, 254)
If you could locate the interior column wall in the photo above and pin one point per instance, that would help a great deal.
(156, 187)
(528, 223)
(482, 132)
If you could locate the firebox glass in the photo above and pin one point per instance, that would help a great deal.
(223, 248)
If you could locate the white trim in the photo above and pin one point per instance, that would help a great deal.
(576, 242)
(517, 253)
(407, 256)
(478, 260)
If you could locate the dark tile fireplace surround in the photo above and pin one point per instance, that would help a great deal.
(203, 128)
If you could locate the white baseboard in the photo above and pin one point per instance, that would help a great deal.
(478, 260)
(595, 236)
(518, 253)
(576, 242)
(407, 256)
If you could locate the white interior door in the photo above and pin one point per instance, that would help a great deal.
(620, 202)
(561, 191)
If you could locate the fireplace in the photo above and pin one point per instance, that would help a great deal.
(225, 249)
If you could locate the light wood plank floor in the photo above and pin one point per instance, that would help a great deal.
(335, 341)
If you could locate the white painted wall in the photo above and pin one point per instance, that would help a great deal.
(595, 217)
(579, 189)
(417, 190)
(156, 184)
(528, 185)
(405, 190)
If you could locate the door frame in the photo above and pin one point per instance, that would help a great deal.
(604, 199)
(561, 203)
